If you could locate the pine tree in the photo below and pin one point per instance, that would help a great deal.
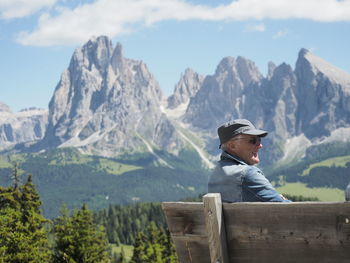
(139, 255)
(15, 175)
(169, 253)
(154, 247)
(23, 237)
(78, 239)
(30, 202)
(63, 230)
(155, 238)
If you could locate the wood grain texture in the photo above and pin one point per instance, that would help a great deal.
(188, 230)
(215, 228)
(294, 232)
(302, 232)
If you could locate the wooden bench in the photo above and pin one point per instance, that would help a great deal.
(297, 232)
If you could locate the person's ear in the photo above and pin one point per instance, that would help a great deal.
(231, 145)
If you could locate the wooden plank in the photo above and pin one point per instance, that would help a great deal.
(192, 249)
(185, 218)
(293, 232)
(265, 232)
(187, 227)
(215, 228)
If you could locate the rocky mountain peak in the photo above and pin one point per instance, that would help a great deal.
(323, 93)
(25, 126)
(4, 107)
(309, 62)
(226, 64)
(105, 103)
(188, 85)
(95, 54)
(282, 69)
(248, 71)
(271, 67)
(222, 95)
(302, 52)
(117, 58)
(310, 101)
(241, 71)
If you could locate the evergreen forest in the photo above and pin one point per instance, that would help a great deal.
(77, 236)
(81, 235)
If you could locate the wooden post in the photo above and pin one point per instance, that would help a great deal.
(215, 228)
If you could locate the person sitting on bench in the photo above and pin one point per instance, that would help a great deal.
(235, 176)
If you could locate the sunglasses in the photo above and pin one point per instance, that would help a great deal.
(252, 140)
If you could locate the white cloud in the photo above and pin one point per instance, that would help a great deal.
(280, 34)
(115, 17)
(10, 9)
(255, 28)
(318, 10)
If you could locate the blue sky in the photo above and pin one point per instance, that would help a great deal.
(38, 37)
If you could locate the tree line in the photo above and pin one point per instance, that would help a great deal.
(26, 236)
(123, 223)
(66, 176)
(79, 235)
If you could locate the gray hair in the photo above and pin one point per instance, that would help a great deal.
(225, 145)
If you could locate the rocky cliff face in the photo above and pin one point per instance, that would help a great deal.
(323, 93)
(28, 125)
(223, 94)
(280, 102)
(307, 103)
(107, 104)
(187, 87)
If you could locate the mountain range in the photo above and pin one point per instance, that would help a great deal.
(110, 106)
(106, 104)
(25, 126)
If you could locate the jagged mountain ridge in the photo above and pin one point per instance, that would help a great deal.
(219, 98)
(298, 107)
(187, 87)
(106, 104)
(25, 126)
(324, 96)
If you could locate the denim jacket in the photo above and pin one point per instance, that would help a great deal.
(237, 181)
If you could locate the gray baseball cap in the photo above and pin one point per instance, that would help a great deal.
(239, 126)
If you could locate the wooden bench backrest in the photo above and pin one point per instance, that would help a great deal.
(259, 232)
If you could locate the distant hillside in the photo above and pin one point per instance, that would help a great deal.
(323, 173)
(66, 176)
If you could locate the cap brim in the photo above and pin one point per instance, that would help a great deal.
(256, 132)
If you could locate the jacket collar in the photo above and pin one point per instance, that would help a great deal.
(227, 156)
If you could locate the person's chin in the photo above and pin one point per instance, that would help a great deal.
(254, 160)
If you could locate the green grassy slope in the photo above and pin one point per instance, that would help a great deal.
(66, 176)
(322, 193)
(324, 173)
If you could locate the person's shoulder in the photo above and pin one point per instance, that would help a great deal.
(229, 167)
(253, 175)
(252, 170)
(226, 162)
